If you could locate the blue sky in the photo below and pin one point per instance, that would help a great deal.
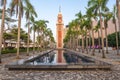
(48, 10)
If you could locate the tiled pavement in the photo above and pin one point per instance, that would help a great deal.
(59, 75)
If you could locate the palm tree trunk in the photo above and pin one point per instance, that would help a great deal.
(99, 41)
(93, 45)
(106, 40)
(4, 46)
(18, 40)
(73, 43)
(40, 45)
(77, 42)
(70, 42)
(28, 40)
(89, 41)
(3, 40)
(43, 43)
(46, 42)
(38, 42)
(34, 42)
(2, 27)
(86, 44)
(82, 44)
(100, 16)
(118, 10)
(116, 38)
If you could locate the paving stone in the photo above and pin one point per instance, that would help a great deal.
(5, 74)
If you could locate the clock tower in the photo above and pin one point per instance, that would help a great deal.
(59, 30)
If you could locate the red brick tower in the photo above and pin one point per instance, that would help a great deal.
(59, 30)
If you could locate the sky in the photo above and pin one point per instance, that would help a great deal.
(48, 10)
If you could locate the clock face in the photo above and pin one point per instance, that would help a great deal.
(60, 19)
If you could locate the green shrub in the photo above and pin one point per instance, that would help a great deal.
(14, 50)
(9, 51)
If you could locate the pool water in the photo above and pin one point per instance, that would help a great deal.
(60, 57)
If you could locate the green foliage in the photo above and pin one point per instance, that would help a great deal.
(12, 34)
(112, 40)
(9, 51)
(14, 50)
(7, 36)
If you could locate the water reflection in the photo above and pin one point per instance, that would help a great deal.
(59, 57)
(76, 59)
(45, 59)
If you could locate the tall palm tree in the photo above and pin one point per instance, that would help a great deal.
(107, 17)
(82, 29)
(98, 7)
(97, 27)
(48, 33)
(80, 18)
(118, 14)
(114, 21)
(51, 38)
(43, 26)
(7, 20)
(19, 5)
(29, 12)
(70, 34)
(89, 25)
(3, 3)
(34, 28)
(76, 31)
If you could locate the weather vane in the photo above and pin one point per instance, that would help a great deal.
(59, 8)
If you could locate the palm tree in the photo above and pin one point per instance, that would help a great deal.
(68, 37)
(83, 33)
(118, 14)
(70, 34)
(107, 17)
(30, 12)
(7, 20)
(97, 27)
(89, 26)
(114, 21)
(52, 41)
(80, 18)
(48, 33)
(3, 3)
(99, 6)
(76, 31)
(42, 27)
(19, 5)
(34, 28)
(51, 38)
